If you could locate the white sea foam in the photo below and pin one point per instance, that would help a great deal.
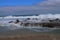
(4, 21)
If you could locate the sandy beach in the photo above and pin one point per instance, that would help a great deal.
(31, 37)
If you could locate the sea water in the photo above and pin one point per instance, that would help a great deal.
(5, 25)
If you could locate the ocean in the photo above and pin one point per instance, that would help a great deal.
(6, 28)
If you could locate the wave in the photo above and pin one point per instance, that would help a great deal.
(12, 26)
(4, 22)
(40, 17)
(34, 16)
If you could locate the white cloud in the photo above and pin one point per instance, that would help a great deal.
(50, 3)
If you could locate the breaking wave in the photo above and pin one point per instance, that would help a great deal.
(34, 16)
(7, 26)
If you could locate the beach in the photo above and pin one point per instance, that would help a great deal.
(30, 35)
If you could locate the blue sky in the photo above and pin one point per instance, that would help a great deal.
(22, 7)
(18, 2)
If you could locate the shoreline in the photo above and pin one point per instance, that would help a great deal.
(32, 37)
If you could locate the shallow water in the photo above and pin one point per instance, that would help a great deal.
(36, 29)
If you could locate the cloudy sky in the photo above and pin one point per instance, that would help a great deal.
(29, 7)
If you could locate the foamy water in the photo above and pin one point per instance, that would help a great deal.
(11, 26)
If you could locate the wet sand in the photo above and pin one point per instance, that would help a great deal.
(31, 37)
(24, 34)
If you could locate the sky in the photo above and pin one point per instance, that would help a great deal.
(18, 2)
(24, 7)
